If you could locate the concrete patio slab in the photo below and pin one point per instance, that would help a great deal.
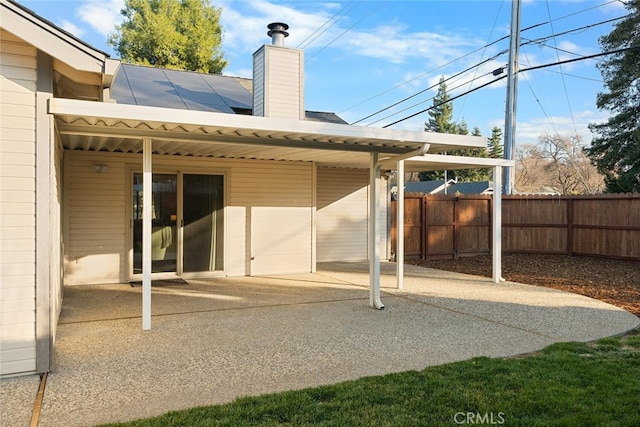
(215, 340)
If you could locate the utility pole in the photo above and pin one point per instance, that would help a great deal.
(512, 92)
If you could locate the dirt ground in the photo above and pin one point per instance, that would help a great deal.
(614, 281)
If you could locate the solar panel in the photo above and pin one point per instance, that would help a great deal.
(187, 90)
(230, 90)
(156, 87)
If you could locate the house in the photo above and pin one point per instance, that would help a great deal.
(438, 186)
(244, 180)
(477, 187)
(425, 187)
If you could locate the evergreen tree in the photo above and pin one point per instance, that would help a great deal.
(177, 34)
(471, 175)
(441, 114)
(615, 149)
(494, 143)
(441, 120)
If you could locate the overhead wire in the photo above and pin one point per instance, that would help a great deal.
(422, 75)
(422, 102)
(564, 82)
(536, 41)
(343, 33)
(535, 67)
(427, 89)
(495, 21)
(535, 96)
(313, 35)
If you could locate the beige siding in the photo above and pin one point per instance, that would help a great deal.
(17, 205)
(342, 214)
(57, 266)
(278, 82)
(95, 220)
(285, 84)
(258, 83)
(268, 214)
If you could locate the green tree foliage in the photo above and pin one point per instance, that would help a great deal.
(177, 34)
(441, 120)
(441, 113)
(495, 147)
(615, 149)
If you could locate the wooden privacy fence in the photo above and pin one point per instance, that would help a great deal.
(441, 227)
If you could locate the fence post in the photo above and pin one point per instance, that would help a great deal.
(456, 231)
(424, 245)
(570, 226)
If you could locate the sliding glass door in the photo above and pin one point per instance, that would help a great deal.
(203, 219)
(187, 223)
(164, 217)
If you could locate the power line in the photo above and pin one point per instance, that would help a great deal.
(343, 33)
(538, 40)
(495, 21)
(535, 67)
(544, 111)
(564, 83)
(429, 88)
(335, 21)
(422, 102)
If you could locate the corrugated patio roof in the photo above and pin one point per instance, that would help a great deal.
(98, 126)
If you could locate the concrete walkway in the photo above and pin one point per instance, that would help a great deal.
(215, 340)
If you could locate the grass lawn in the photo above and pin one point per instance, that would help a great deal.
(566, 384)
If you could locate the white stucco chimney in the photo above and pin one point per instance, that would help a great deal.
(278, 77)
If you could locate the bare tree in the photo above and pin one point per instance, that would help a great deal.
(557, 163)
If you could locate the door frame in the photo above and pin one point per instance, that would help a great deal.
(179, 172)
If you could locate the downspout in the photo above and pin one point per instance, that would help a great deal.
(147, 192)
(496, 266)
(374, 233)
(400, 226)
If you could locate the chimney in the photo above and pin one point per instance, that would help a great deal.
(277, 32)
(278, 77)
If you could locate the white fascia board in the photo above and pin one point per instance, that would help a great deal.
(255, 124)
(441, 161)
(50, 39)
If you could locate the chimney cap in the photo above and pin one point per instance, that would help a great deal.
(277, 32)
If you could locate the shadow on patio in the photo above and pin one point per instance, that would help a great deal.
(214, 340)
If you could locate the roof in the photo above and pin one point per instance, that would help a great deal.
(478, 187)
(101, 126)
(426, 187)
(187, 90)
(52, 39)
(189, 113)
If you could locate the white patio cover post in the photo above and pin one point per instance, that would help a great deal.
(400, 225)
(147, 201)
(374, 233)
(497, 224)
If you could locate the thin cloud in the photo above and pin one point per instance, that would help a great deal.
(72, 28)
(529, 131)
(102, 16)
(245, 29)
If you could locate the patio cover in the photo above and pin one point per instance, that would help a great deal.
(98, 126)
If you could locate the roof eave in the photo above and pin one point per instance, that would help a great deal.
(51, 39)
(367, 138)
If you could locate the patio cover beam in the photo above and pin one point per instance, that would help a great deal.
(142, 121)
(438, 162)
(106, 120)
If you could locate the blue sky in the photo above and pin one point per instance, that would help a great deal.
(363, 56)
